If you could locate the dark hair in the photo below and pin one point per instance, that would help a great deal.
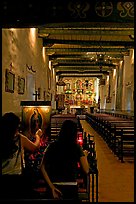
(9, 125)
(68, 132)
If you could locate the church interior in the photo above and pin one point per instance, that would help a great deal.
(75, 60)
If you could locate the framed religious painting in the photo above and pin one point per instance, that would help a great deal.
(21, 85)
(9, 81)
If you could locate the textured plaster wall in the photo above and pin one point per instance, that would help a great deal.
(128, 83)
(113, 89)
(21, 47)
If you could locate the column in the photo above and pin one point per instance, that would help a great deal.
(102, 94)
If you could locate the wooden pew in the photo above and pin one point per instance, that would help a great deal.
(116, 134)
(110, 128)
(56, 123)
(113, 132)
(125, 146)
(107, 128)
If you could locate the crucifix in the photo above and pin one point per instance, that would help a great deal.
(36, 94)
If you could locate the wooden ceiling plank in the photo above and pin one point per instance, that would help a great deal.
(87, 50)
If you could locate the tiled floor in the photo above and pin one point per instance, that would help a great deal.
(116, 179)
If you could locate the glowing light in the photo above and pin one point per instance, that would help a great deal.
(114, 72)
(43, 53)
(53, 72)
(12, 29)
(121, 62)
(107, 78)
(32, 36)
(50, 65)
(132, 59)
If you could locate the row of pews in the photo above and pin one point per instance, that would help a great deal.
(117, 132)
(56, 123)
(121, 114)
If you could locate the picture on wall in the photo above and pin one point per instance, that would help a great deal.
(21, 85)
(33, 114)
(9, 81)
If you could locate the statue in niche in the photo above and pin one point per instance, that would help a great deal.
(90, 84)
(67, 86)
(78, 84)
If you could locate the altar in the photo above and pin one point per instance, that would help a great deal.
(77, 109)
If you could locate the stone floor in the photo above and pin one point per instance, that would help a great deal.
(116, 179)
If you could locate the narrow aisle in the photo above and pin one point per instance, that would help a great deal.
(116, 179)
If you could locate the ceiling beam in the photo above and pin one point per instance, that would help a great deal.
(84, 71)
(89, 25)
(52, 50)
(64, 56)
(88, 69)
(75, 61)
(85, 65)
(81, 75)
(86, 31)
(47, 42)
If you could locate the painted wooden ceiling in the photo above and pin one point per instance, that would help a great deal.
(81, 37)
(86, 48)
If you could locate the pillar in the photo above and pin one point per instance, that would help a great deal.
(102, 93)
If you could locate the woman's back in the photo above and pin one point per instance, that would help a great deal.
(61, 158)
(62, 161)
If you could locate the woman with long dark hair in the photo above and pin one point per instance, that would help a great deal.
(13, 145)
(61, 158)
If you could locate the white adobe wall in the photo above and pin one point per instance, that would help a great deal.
(21, 47)
(128, 82)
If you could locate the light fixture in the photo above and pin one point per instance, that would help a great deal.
(131, 37)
